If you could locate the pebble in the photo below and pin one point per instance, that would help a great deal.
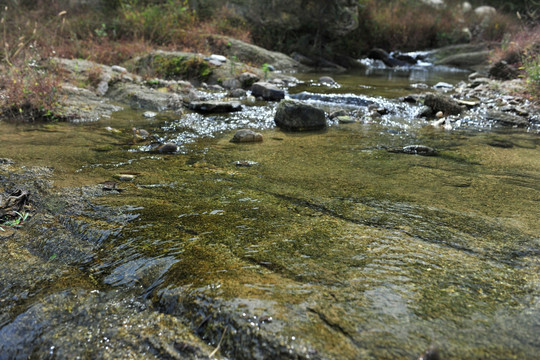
(119, 69)
(219, 58)
(124, 177)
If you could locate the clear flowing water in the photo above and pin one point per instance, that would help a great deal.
(326, 241)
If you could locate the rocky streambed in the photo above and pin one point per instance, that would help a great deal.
(333, 243)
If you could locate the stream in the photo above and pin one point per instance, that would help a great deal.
(317, 245)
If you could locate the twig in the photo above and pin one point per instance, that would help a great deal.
(219, 344)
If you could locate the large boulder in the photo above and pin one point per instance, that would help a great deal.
(298, 116)
(252, 54)
(470, 56)
(142, 97)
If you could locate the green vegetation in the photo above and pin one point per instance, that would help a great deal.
(266, 70)
(16, 222)
(182, 67)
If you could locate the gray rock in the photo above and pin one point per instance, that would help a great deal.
(138, 96)
(437, 4)
(471, 60)
(297, 116)
(411, 99)
(303, 59)
(426, 112)
(446, 104)
(485, 11)
(345, 119)
(507, 119)
(119, 69)
(168, 148)
(246, 136)
(215, 87)
(327, 80)
(443, 85)
(232, 83)
(214, 106)
(267, 91)
(337, 113)
(82, 105)
(380, 54)
(219, 58)
(503, 71)
(102, 87)
(237, 93)
(247, 79)
(215, 62)
(250, 53)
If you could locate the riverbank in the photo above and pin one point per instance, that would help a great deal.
(120, 31)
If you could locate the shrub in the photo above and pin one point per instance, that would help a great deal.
(29, 93)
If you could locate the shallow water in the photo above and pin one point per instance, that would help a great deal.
(327, 242)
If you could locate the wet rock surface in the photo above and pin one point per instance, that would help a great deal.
(214, 106)
(446, 104)
(246, 136)
(294, 115)
(267, 91)
(330, 247)
(110, 327)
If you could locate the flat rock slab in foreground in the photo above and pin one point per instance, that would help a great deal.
(297, 116)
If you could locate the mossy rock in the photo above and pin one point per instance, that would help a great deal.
(173, 65)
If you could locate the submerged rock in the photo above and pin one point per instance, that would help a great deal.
(415, 150)
(140, 134)
(246, 136)
(297, 116)
(168, 148)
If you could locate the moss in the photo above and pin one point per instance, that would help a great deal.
(182, 67)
